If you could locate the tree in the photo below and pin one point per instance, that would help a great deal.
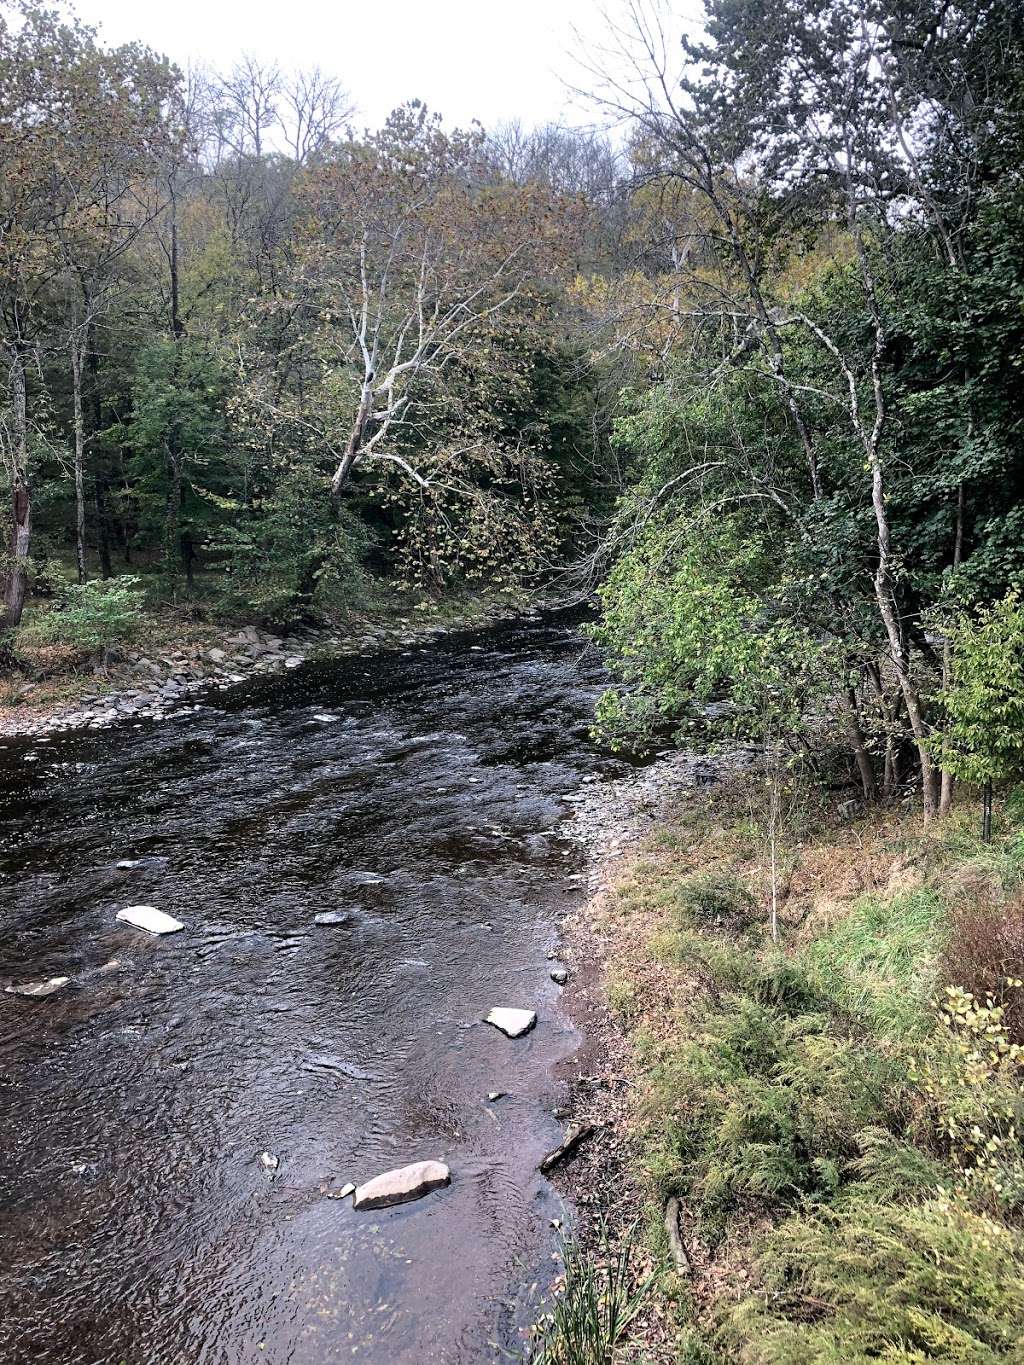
(983, 703)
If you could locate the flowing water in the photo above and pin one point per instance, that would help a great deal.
(137, 1224)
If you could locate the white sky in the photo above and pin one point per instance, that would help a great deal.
(485, 59)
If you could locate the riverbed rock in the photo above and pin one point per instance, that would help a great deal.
(330, 917)
(269, 1161)
(151, 919)
(559, 976)
(37, 990)
(514, 1023)
(401, 1185)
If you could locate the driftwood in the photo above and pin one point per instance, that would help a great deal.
(572, 1140)
(673, 1213)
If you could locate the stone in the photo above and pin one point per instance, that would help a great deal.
(216, 656)
(293, 661)
(559, 976)
(269, 1161)
(325, 719)
(513, 1023)
(37, 990)
(493, 1095)
(330, 917)
(401, 1185)
(151, 919)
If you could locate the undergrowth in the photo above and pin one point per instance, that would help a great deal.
(841, 1115)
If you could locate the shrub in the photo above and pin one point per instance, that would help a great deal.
(716, 900)
(970, 1075)
(866, 1281)
(986, 950)
(762, 1109)
(90, 616)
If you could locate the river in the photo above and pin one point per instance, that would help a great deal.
(137, 1223)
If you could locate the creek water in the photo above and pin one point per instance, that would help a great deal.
(137, 1224)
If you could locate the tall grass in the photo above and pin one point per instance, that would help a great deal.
(599, 1300)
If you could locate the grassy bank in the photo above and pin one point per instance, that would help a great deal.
(839, 1114)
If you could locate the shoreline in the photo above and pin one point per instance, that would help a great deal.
(167, 677)
(614, 824)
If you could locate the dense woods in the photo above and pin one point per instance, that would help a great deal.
(259, 357)
(750, 361)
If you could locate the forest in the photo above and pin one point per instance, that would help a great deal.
(748, 364)
(740, 366)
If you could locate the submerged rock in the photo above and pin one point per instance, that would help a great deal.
(151, 919)
(38, 989)
(512, 1022)
(401, 1185)
(269, 1161)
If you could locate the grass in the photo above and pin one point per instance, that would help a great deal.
(839, 1115)
(599, 1299)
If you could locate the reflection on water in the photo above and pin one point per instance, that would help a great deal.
(136, 1221)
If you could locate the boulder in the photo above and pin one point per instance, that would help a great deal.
(559, 976)
(330, 917)
(512, 1022)
(216, 656)
(401, 1185)
(151, 919)
(38, 989)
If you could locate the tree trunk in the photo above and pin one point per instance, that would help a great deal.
(77, 344)
(986, 812)
(355, 440)
(948, 780)
(101, 499)
(21, 500)
(864, 764)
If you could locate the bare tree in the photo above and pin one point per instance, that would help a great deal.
(317, 108)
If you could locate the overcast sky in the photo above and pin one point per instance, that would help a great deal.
(485, 59)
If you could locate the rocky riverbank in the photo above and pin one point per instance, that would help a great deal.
(615, 823)
(157, 682)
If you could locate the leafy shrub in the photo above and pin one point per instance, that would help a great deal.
(865, 1281)
(984, 952)
(91, 616)
(971, 1077)
(716, 900)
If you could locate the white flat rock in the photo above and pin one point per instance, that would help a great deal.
(38, 989)
(326, 720)
(151, 919)
(401, 1185)
(330, 917)
(513, 1023)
